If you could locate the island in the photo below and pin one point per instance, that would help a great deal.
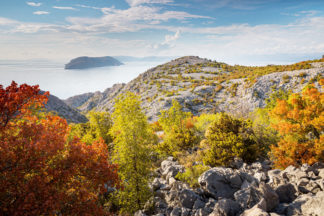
(86, 62)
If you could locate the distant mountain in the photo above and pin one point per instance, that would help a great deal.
(85, 62)
(202, 85)
(146, 59)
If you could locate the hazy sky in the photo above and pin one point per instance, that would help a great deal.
(229, 30)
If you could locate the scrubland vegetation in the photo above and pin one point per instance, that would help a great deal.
(104, 166)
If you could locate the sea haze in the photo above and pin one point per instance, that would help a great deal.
(52, 77)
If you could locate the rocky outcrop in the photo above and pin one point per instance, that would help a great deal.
(238, 191)
(85, 62)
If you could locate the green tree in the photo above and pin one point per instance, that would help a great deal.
(132, 139)
(98, 127)
(179, 130)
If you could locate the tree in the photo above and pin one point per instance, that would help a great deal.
(98, 127)
(132, 137)
(300, 123)
(41, 173)
(179, 130)
(16, 101)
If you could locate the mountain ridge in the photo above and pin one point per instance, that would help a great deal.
(202, 85)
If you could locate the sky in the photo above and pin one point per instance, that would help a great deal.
(234, 31)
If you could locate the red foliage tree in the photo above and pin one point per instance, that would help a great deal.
(41, 173)
(18, 100)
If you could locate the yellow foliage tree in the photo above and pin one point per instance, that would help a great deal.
(300, 123)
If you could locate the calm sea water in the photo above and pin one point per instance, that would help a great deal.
(51, 76)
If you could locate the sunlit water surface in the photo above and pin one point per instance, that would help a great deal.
(51, 76)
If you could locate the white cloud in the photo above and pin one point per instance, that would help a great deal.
(5, 21)
(133, 3)
(64, 8)
(34, 4)
(170, 38)
(167, 43)
(86, 6)
(302, 37)
(41, 12)
(128, 20)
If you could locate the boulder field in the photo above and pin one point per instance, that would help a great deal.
(245, 189)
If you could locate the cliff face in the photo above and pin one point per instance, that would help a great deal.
(85, 62)
(201, 85)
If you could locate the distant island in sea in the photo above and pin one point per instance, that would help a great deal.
(86, 62)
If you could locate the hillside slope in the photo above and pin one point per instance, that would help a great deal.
(56, 105)
(202, 85)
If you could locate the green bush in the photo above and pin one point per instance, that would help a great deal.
(192, 174)
(227, 138)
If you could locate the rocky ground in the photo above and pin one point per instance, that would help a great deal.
(245, 189)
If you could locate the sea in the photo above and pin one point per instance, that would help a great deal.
(51, 75)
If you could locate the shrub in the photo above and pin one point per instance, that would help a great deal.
(192, 174)
(285, 78)
(227, 138)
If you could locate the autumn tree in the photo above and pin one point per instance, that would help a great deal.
(20, 100)
(300, 123)
(41, 173)
(179, 130)
(132, 138)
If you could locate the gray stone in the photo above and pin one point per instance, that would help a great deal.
(282, 208)
(260, 176)
(271, 198)
(286, 193)
(198, 204)
(321, 173)
(187, 198)
(293, 174)
(201, 212)
(139, 213)
(209, 207)
(171, 181)
(249, 197)
(258, 210)
(274, 214)
(314, 206)
(294, 208)
(237, 163)
(185, 212)
(176, 212)
(220, 182)
(226, 207)
(301, 185)
(158, 183)
(275, 178)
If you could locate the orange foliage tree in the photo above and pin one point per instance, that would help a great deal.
(41, 173)
(300, 123)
